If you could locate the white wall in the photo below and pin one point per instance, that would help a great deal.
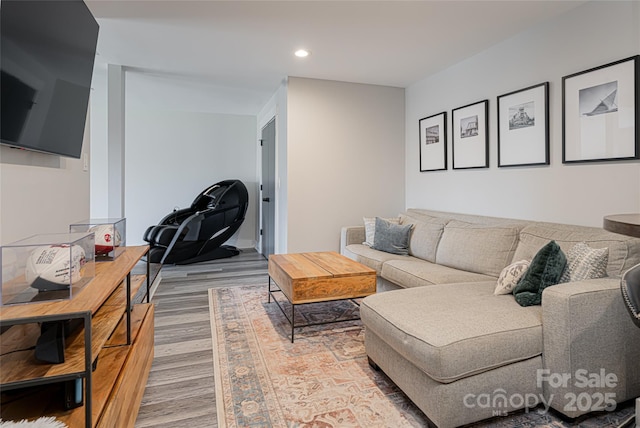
(345, 158)
(591, 35)
(41, 193)
(116, 115)
(172, 155)
(176, 145)
(98, 170)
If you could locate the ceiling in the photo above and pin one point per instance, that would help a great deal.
(242, 50)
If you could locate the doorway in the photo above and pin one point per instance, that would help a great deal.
(268, 208)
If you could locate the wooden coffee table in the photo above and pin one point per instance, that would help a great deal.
(318, 277)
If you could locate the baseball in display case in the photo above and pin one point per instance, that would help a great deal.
(110, 235)
(46, 267)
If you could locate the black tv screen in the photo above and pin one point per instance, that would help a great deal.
(47, 54)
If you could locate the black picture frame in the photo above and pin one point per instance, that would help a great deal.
(600, 113)
(523, 127)
(433, 142)
(470, 136)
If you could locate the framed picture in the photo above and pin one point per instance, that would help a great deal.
(433, 142)
(600, 113)
(470, 131)
(523, 127)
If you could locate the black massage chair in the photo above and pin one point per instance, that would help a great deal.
(196, 234)
(630, 286)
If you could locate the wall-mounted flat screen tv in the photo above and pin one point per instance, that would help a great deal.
(47, 54)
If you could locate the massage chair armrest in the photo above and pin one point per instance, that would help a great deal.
(176, 217)
(351, 235)
(630, 287)
(161, 236)
(587, 332)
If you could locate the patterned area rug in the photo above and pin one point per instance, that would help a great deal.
(323, 379)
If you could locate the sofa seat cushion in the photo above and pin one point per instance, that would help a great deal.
(370, 257)
(452, 331)
(412, 272)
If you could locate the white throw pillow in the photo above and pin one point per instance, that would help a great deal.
(510, 276)
(370, 228)
(584, 262)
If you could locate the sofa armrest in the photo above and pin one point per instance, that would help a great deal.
(588, 334)
(351, 235)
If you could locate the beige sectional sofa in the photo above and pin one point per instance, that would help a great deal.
(463, 354)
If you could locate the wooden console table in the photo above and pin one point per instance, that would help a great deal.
(117, 339)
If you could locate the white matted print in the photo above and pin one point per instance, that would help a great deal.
(470, 132)
(523, 127)
(600, 111)
(433, 142)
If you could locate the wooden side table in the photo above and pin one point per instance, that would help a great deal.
(624, 224)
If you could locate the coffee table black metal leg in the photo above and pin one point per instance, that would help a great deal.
(293, 307)
(293, 318)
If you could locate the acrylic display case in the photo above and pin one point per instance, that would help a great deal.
(110, 235)
(46, 267)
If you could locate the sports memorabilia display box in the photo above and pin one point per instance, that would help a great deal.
(46, 267)
(110, 235)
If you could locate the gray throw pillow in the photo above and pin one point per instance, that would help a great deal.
(391, 238)
(370, 228)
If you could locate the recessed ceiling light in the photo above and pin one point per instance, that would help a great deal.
(302, 53)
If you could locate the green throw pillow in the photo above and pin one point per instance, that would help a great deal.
(391, 238)
(545, 270)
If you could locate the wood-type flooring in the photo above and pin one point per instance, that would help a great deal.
(180, 391)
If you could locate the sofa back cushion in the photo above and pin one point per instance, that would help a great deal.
(420, 214)
(624, 251)
(425, 236)
(476, 247)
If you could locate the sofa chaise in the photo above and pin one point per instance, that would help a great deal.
(463, 354)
